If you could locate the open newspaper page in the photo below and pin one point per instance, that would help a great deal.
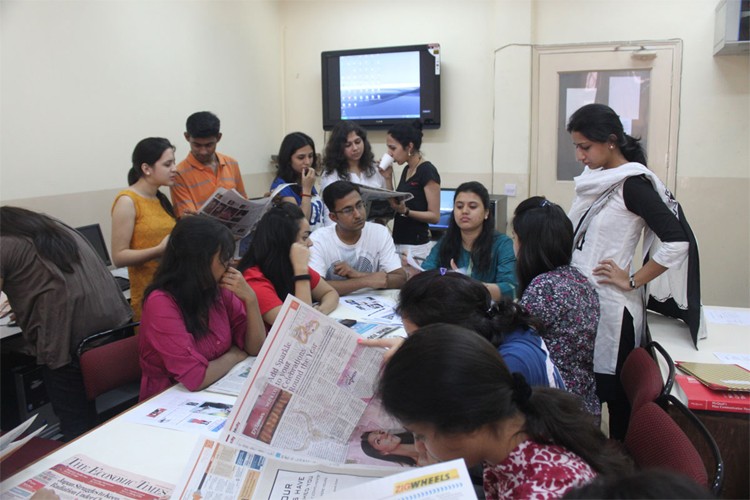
(7, 443)
(310, 397)
(220, 471)
(236, 212)
(443, 481)
(81, 477)
(370, 193)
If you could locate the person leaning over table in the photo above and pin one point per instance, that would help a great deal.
(472, 245)
(60, 292)
(200, 317)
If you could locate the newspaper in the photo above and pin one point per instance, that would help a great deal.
(8, 446)
(377, 331)
(374, 309)
(370, 193)
(81, 477)
(232, 382)
(310, 394)
(220, 471)
(447, 481)
(236, 212)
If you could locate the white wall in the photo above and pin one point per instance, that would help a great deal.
(83, 81)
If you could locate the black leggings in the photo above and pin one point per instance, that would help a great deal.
(608, 387)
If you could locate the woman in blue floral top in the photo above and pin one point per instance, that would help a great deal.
(557, 293)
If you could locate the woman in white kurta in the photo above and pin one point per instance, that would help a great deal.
(617, 199)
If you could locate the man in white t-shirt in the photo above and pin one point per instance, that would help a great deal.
(354, 254)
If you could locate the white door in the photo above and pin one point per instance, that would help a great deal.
(640, 81)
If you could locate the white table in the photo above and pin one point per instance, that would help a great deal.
(154, 452)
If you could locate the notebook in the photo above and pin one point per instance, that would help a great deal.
(716, 376)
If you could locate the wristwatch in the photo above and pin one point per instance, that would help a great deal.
(633, 286)
(405, 214)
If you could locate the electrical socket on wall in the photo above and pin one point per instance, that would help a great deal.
(510, 190)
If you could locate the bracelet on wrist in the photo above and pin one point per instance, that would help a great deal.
(305, 195)
(406, 213)
(302, 277)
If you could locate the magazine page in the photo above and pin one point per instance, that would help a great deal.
(370, 193)
(310, 396)
(185, 412)
(81, 477)
(220, 471)
(232, 382)
(239, 214)
(443, 481)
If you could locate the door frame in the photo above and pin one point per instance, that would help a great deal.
(675, 46)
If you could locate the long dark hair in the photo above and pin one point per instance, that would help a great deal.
(289, 145)
(456, 382)
(481, 251)
(148, 151)
(406, 438)
(599, 123)
(185, 268)
(272, 239)
(48, 235)
(424, 300)
(334, 159)
(545, 236)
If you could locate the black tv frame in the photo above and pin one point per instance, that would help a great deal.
(429, 86)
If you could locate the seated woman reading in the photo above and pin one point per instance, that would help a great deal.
(200, 318)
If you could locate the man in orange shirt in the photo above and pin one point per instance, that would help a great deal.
(204, 170)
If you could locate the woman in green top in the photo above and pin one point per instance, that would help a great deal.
(473, 246)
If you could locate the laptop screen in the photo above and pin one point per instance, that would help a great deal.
(93, 233)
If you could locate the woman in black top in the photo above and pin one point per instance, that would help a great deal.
(420, 177)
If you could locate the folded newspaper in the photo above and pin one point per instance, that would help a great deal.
(306, 420)
(372, 193)
(236, 212)
(81, 477)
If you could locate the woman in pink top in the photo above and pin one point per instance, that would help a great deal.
(200, 317)
(451, 388)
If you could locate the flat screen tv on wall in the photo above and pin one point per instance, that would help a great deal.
(380, 87)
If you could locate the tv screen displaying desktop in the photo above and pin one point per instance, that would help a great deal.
(380, 87)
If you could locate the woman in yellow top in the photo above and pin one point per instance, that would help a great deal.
(142, 216)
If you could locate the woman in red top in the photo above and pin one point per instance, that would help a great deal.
(451, 388)
(276, 264)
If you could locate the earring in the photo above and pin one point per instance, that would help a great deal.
(611, 146)
(409, 154)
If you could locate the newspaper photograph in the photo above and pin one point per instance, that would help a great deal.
(220, 471)
(235, 211)
(310, 397)
(82, 477)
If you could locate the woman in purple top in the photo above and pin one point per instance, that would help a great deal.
(557, 293)
(200, 317)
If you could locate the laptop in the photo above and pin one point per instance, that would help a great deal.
(93, 233)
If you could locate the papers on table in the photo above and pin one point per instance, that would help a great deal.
(727, 316)
(182, 412)
(82, 477)
(732, 358)
(8, 446)
(373, 309)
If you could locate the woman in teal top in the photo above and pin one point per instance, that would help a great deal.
(472, 246)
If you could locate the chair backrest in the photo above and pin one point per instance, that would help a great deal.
(654, 440)
(641, 377)
(109, 366)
